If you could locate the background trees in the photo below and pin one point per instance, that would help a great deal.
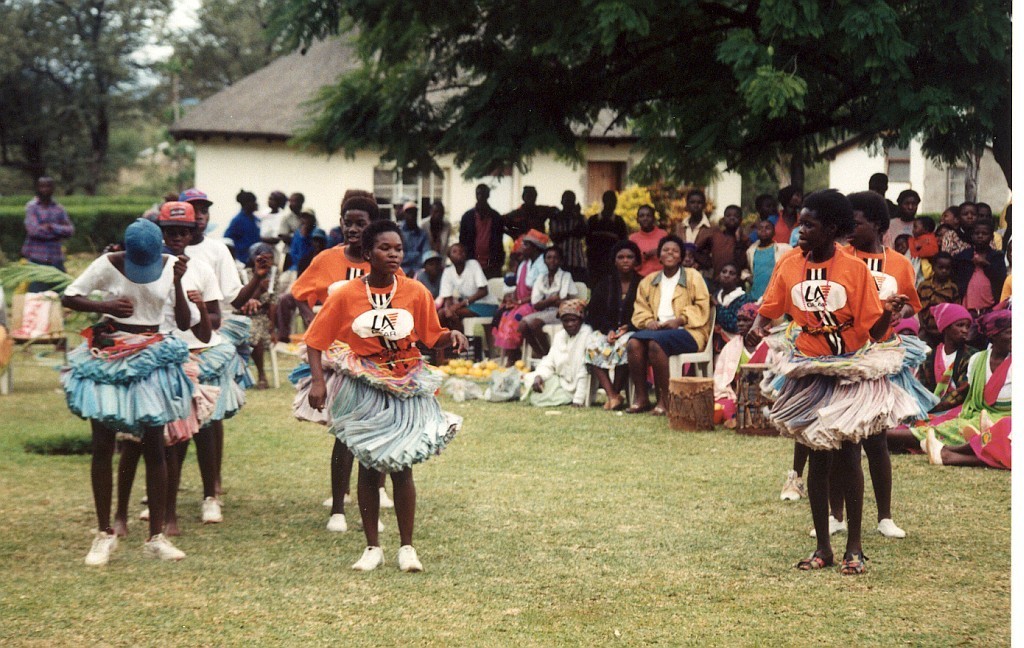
(747, 82)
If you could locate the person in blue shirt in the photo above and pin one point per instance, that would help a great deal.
(244, 230)
(302, 240)
(414, 240)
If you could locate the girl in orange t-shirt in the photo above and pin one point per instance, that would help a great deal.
(829, 374)
(384, 409)
(894, 275)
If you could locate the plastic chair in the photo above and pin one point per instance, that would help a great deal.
(702, 360)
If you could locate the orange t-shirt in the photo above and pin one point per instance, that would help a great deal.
(648, 242)
(893, 273)
(924, 247)
(832, 293)
(326, 269)
(349, 317)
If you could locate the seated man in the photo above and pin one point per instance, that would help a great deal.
(561, 377)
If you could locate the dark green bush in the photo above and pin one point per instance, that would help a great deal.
(96, 225)
(65, 444)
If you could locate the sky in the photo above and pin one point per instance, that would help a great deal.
(183, 16)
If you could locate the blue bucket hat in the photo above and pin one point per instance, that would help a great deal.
(143, 252)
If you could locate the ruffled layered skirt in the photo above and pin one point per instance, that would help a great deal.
(235, 329)
(221, 366)
(144, 389)
(823, 401)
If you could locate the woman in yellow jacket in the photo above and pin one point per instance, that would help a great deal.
(672, 316)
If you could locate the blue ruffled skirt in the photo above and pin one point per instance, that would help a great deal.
(221, 366)
(148, 388)
(235, 329)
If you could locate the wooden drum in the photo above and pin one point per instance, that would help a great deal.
(751, 403)
(691, 404)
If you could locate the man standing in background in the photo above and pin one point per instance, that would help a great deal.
(46, 225)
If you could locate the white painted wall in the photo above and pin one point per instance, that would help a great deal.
(852, 168)
(223, 167)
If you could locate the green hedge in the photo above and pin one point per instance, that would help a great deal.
(96, 226)
(78, 200)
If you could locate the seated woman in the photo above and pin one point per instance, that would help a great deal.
(464, 290)
(549, 290)
(988, 388)
(610, 314)
(734, 355)
(727, 301)
(560, 378)
(672, 316)
(516, 305)
(945, 368)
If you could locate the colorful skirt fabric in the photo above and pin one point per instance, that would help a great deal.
(221, 366)
(302, 379)
(389, 422)
(604, 354)
(506, 334)
(130, 392)
(204, 403)
(824, 401)
(992, 443)
(235, 329)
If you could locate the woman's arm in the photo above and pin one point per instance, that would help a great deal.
(119, 307)
(204, 329)
(182, 314)
(317, 387)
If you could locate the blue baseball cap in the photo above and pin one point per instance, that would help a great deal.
(143, 252)
(194, 195)
(318, 234)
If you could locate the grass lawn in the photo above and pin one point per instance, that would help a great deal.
(581, 528)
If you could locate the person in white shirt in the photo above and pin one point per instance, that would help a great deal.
(561, 376)
(464, 291)
(549, 290)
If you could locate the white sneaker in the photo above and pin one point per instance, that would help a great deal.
(144, 514)
(385, 501)
(372, 558)
(793, 489)
(160, 547)
(211, 511)
(407, 560)
(889, 529)
(337, 523)
(102, 546)
(834, 527)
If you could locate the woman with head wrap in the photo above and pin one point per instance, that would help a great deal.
(734, 355)
(560, 378)
(988, 387)
(980, 434)
(945, 369)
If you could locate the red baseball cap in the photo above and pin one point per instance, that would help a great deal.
(180, 214)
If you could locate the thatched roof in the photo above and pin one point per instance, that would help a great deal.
(273, 103)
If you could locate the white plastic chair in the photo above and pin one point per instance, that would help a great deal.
(495, 288)
(702, 360)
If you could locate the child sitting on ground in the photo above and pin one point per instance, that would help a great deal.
(945, 368)
(561, 376)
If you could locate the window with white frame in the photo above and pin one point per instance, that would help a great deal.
(897, 164)
(956, 180)
(393, 186)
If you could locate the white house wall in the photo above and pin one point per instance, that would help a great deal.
(225, 166)
(852, 167)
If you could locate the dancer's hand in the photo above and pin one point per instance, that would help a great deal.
(317, 395)
(459, 341)
(754, 336)
(196, 297)
(180, 266)
(122, 307)
(895, 304)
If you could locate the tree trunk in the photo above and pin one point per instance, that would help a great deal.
(796, 170)
(1002, 139)
(971, 176)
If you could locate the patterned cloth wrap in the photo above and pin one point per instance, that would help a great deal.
(604, 354)
(826, 400)
(204, 402)
(301, 377)
(390, 422)
(235, 329)
(147, 387)
(221, 366)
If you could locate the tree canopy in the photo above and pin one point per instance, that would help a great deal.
(698, 82)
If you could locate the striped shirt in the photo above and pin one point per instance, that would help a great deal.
(574, 228)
